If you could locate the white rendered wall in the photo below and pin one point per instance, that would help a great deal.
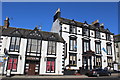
(58, 59)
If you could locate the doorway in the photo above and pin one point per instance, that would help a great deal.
(31, 69)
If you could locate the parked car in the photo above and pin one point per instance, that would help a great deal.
(98, 72)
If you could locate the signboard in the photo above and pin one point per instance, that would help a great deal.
(32, 58)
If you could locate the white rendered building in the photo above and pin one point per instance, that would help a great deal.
(88, 46)
(31, 52)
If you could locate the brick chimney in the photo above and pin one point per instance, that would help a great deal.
(6, 23)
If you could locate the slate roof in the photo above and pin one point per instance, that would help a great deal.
(25, 32)
(80, 24)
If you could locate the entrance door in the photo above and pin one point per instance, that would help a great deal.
(31, 70)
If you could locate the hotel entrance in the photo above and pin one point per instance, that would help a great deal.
(32, 67)
(87, 59)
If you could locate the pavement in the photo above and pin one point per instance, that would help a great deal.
(116, 75)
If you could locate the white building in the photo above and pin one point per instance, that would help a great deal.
(88, 46)
(117, 51)
(31, 52)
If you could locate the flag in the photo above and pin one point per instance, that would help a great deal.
(104, 50)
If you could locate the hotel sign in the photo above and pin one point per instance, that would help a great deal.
(32, 58)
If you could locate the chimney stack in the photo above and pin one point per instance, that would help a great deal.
(102, 25)
(6, 23)
(96, 23)
(57, 14)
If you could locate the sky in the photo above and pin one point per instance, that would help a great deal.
(30, 14)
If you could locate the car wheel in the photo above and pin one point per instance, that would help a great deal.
(98, 75)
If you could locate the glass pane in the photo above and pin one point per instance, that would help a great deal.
(71, 44)
(34, 45)
(53, 48)
(39, 44)
(52, 64)
(12, 47)
(13, 40)
(48, 65)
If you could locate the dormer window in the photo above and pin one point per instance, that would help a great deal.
(108, 37)
(51, 45)
(85, 32)
(73, 29)
(97, 34)
(14, 44)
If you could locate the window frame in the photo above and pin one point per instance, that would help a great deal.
(73, 29)
(39, 44)
(109, 45)
(99, 48)
(85, 32)
(73, 55)
(51, 65)
(87, 41)
(108, 37)
(99, 61)
(97, 34)
(110, 64)
(14, 50)
(51, 51)
(12, 57)
(73, 40)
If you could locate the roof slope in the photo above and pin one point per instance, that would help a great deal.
(25, 32)
(80, 24)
